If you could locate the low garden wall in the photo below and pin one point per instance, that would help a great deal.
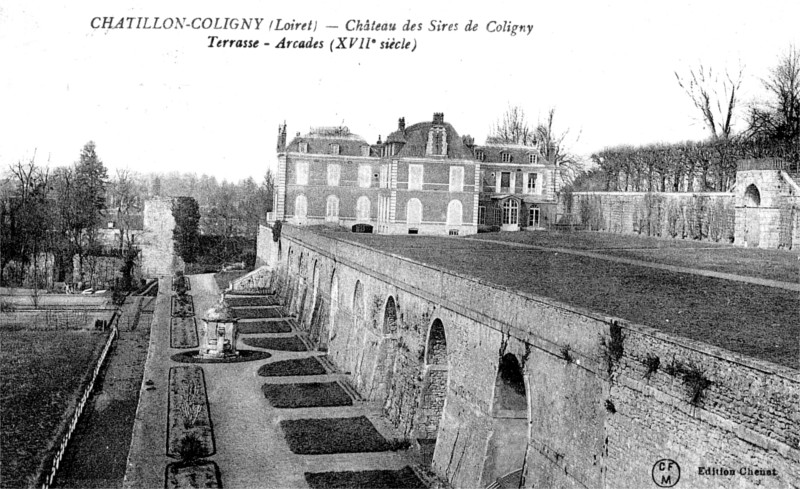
(700, 216)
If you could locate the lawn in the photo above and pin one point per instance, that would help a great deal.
(303, 395)
(753, 262)
(43, 375)
(291, 343)
(404, 478)
(754, 320)
(333, 435)
(260, 327)
(299, 366)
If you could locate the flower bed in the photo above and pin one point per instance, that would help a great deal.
(182, 306)
(189, 431)
(203, 474)
(333, 435)
(291, 343)
(243, 356)
(302, 395)
(243, 301)
(299, 366)
(183, 332)
(404, 478)
(260, 327)
(257, 312)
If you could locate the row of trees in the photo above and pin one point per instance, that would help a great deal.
(50, 214)
(772, 130)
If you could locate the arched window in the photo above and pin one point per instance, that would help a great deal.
(413, 213)
(454, 213)
(332, 208)
(511, 212)
(363, 208)
(300, 207)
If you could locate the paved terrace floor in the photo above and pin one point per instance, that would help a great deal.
(251, 450)
(748, 312)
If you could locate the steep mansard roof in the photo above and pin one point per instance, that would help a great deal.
(414, 140)
(319, 141)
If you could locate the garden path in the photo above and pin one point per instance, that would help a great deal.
(251, 450)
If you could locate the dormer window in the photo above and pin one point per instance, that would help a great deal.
(303, 147)
(505, 157)
(437, 141)
(533, 158)
(333, 149)
(364, 150)
(480, 155)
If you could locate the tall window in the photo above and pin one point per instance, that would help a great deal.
(496, 216)
(332, 208)
(533, 217)
(482, 215)
(334, 172)
(505, 157)
(505, 181)
(301, 173)
(300, 207)
(454, 213)
(362, 208)
(456, 178)
(511, 212)
(532, 182)
(415, 177)
(413, 213)
(384, 179)
(364, 176)
(334, 149)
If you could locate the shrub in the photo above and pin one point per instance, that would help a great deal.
(190, 447)
(652, 363)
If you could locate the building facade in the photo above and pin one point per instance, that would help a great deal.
(424, 179)
(518, 187)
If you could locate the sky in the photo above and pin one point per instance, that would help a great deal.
(162, 100)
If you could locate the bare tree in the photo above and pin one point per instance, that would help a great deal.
(554, 147)
(512, 128)
(715, 95)
(777, 121)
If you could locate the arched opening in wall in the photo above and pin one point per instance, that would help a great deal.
(358, 304)
(752, 214)
(507, 446)
(509, 386)
(434, 390)
(326, 339)
(390, 317)
(752, 197)
(316, 304)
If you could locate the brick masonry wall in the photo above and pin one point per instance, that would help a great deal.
(593, 422)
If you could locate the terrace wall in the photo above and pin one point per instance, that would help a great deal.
(596, 415)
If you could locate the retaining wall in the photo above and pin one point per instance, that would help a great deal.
(596, 413)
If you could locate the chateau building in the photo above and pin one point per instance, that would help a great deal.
(423, 179)
(518, 187)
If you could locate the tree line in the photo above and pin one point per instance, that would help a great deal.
(50, 219)
(772, 130)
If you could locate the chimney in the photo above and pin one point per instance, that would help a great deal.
(401, 124)
(438, 117)
(379, 139)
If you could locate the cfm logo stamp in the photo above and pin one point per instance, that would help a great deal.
(666, 473)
